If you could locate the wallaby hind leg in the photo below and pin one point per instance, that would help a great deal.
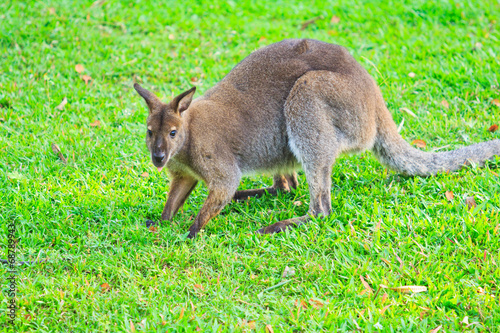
(319, 181)
(315, 142)
(283, 182)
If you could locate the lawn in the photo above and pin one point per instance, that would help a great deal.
(102, 270)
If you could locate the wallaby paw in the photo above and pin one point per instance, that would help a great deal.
(151, 223)
(273, 228)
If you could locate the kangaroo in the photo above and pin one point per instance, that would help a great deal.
(293, 104)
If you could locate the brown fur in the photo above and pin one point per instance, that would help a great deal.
(293, 104)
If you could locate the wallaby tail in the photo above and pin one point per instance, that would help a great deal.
(396, 153)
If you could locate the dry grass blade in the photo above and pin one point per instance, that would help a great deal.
(269, 329)
(57, 151)
(409, 112)
(307, 23)
(62, 104)
(436, 329)
(409, 289)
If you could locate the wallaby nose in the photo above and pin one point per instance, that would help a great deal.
(158, 157)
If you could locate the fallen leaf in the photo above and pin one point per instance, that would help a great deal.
(153, 229)
(132, 327)
(248, 324)
(449, 195)
(57, 151)
(409, 289)
(365, 284)
(105, 287)
(79, 68)
(269, 329)
(300, 303)
(297, 203)
(96, 123)
(315, 303)
(28, 317)
(193, 79)
(496, 102)
(409, 112)
(145, 175)
(480, 291)
(335, 19)
(199, 286)
(289, 271)
(52, 11)
(419, 143)
(15, 175)
(471, 203)
(445, 103)
(62, 104)
(436, 329)
(493, 128)
(384, 309)
(411, 74)
(262, 39)
(86, 78)
(465, 321)
(171, 37)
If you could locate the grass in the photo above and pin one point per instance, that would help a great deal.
(87, 217)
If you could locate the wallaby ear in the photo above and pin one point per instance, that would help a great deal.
(148, 96)
(182, 102)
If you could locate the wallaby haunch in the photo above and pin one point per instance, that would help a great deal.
(293, 104)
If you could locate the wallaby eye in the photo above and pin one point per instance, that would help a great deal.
(150, 133)
(173, 133)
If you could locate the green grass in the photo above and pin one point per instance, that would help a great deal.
(92, 210)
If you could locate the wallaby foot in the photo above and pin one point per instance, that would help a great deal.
(283, 225)
(280, 183)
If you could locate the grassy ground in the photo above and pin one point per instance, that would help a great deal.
(390, 230)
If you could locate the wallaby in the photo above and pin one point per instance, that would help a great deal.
(293, 104)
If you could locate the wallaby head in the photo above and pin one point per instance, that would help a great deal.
(166, 128)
